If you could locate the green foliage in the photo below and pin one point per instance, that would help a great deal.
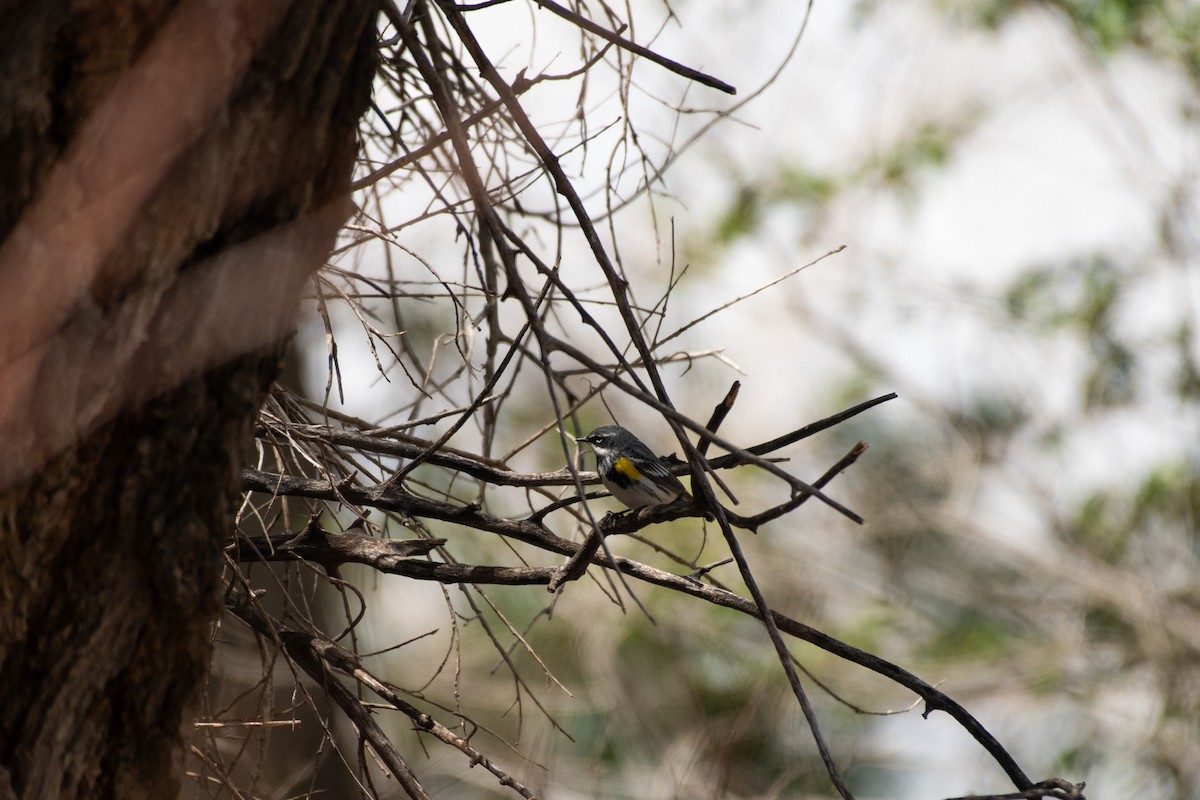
(929, 146)
(995, 418)
(1108, 523)
(1080, 293)
(1165, 29)
(1187, 373)
(973, 633)
(1083, 297)
(1097, 527)
(1169, 496)
(898, 167)
(1114, 24)
(870, 628)
(741, 217)
(1105, 624)
(792, 184)
(805, 186)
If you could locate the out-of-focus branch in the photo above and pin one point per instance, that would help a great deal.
(1055, 788)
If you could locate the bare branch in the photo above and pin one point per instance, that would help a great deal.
(633, 47)
(319, 657)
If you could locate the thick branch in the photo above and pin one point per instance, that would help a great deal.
(384, 555)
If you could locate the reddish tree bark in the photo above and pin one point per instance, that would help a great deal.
(170, 175)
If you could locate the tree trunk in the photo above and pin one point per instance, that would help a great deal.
(171, 173)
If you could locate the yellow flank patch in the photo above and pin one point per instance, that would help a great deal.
(625, 467)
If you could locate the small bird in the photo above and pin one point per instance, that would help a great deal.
(630, 470)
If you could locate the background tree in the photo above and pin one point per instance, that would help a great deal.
(159, 216)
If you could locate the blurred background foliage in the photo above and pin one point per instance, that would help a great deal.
(1032, 507)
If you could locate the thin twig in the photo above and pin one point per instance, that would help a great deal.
(633, 47)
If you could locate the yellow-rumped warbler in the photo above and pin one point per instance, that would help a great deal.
(630, 470)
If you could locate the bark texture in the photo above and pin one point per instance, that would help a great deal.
(170, 175)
